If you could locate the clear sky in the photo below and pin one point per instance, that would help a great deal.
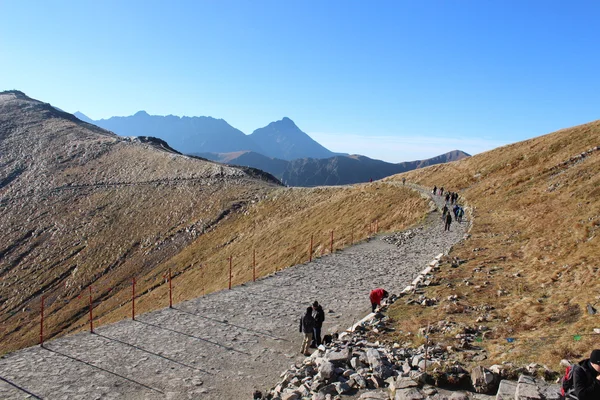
(394, 80)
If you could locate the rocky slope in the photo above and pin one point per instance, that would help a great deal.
(78, 203)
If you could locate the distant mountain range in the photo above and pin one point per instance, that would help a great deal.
(280, 148)
(338, 170)
(189, 135)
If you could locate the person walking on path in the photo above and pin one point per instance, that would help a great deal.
(447, 221)
(586, 378)
(319, 316)
(307, 326)
(434, 190)
(444, 212)
(403, 181)
(376, 296)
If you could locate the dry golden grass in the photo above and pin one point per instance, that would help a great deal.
(277, 223)
(536, 214)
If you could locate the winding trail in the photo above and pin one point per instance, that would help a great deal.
(225, 344)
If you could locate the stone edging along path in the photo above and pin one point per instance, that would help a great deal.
(229, 343)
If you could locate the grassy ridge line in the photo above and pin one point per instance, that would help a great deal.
(533, 252)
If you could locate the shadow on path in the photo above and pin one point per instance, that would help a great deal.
(269, 335)
(103, 369)
(192, 336)
(154, 354)
(20, 388)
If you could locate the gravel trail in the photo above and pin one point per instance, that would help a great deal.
(225, 344)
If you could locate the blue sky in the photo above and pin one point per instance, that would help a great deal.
(394, 80)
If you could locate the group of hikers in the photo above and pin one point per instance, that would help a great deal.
(451, 200)
(312, 320)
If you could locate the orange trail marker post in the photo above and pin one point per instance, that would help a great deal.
(230, 259)
(133, 299)
(91, 313)
(331, 243)
(202, 279)
(311, 249)
(42, 324)
(170, 290)
(254, 266)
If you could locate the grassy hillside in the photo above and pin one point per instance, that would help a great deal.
(532, 261)
(81, 207)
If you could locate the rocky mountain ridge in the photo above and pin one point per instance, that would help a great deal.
(338, 170)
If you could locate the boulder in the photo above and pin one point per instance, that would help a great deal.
(290, 396)
(339, 358)
(409, 394)
(374, 395)
(342, 387)
(506, 390)
(527, 389)
(459, 396)
(329, 389)
(359, 380)
(483, 380)
(327, 370)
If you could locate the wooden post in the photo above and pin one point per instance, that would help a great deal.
(376, 226)
(133, 299)
(91, 313)
(202, 279)
(42, 324)
(311, 249)
(254, 266)
(331, 243)
(229, 272)
(170, 290)
(352, 236)
(426, 347)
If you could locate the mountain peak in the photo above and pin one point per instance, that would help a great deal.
(141, 113)
(285, 122)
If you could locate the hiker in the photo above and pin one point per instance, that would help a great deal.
(404, 181)
(376, 296)
(460, 214)
(319, 316)
(434, 189)
(307, 325)
(448, 221)
(442, 191)
(455, 210)
(447, 197)
(444, 212)
(586, 378)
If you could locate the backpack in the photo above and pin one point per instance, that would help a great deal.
(566, 383)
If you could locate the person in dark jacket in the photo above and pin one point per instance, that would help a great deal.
(586, 378)
(319, 316)
(307, 325)
(447, 223)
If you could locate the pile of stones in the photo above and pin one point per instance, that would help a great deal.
(353, 366)
(398, 239)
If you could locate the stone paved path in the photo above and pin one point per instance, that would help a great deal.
(225, 344)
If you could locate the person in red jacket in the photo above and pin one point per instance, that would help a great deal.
(376, 296)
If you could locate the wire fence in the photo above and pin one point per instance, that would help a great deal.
(96, 294)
